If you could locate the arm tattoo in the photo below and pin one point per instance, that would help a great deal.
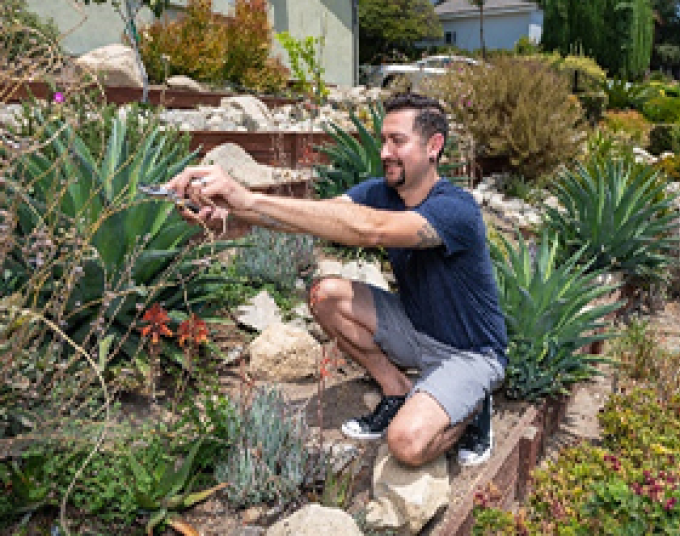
(428, 237)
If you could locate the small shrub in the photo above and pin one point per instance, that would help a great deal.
(519, 109)
(270, 460)
(214, 48)
(664, 137)
(628, 125)
(278, 258)
(594, 104)
(624, 95)
(662, 109)
(670, 167)
(583, 72)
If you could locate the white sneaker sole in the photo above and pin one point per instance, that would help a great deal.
(468, 458)
(353, 430)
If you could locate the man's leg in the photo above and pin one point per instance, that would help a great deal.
(346, 312)
(422, 431)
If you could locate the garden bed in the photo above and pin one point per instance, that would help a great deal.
(20, 91)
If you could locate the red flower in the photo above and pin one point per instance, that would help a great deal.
(193, 330)
(157, 317)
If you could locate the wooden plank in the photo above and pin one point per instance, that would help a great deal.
(13, 92)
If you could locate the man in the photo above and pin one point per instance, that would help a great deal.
(445, 321)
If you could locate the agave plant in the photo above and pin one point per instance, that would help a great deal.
(88, 253)
(354, 160)
(164, 490)
(549, 317)
(619, 213)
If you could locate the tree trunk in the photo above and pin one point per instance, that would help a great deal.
(481, 30)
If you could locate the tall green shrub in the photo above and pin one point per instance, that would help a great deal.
(617, 33)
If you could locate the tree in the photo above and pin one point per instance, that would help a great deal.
(387, 25)
(616, 33)
(666, 35)
(128, 10)
(480, 6)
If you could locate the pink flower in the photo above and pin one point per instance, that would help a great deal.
(59, 97)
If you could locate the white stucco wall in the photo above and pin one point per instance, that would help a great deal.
(500, 31)
(87, 27)
(329, 18)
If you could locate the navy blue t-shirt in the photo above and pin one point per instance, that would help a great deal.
(449, 292)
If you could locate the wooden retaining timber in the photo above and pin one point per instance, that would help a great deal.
(167, 97)
(510, 467)
(274, 148)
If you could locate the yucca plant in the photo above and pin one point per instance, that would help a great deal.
(619, 213)
(354, 160)
(88, 253)
(549, 317)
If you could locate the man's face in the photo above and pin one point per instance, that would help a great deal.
(404, 152)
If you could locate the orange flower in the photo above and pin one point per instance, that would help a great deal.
(193, 329)
(157, 317)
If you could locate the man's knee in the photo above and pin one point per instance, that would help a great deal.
(325, 295)
(409, 444)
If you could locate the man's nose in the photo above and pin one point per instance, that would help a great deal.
(385, 150)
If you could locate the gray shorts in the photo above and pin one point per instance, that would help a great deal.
(457, 379)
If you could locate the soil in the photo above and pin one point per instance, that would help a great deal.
(349, 392)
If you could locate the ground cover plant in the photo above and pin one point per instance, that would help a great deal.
(629, 484)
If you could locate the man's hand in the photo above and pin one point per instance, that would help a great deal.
(211, 186)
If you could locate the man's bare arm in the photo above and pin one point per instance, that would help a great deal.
(346, 222)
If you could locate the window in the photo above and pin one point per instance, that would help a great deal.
(450, 38)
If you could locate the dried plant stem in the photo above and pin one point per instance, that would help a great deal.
(107, 402)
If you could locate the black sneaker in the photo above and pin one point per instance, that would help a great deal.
(374, 425)
(474, 446)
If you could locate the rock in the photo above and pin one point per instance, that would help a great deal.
(114, 64)
(405, 496)
(284, 353)
(259, 312)
(240, 165)
(365, 272)
(183, 82)
(643, 157)
(256, 115)
(315, 520)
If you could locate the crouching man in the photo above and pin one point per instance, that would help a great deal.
(444, 322)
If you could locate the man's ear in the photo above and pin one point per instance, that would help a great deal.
(434, 145)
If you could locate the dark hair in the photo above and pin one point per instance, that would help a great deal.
(430, 119)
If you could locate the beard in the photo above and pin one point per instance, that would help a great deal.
(400, 180)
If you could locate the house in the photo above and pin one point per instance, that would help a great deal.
(505, 21)
(85, 27)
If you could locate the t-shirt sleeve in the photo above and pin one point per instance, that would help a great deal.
(458, 222)
(364, 193)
